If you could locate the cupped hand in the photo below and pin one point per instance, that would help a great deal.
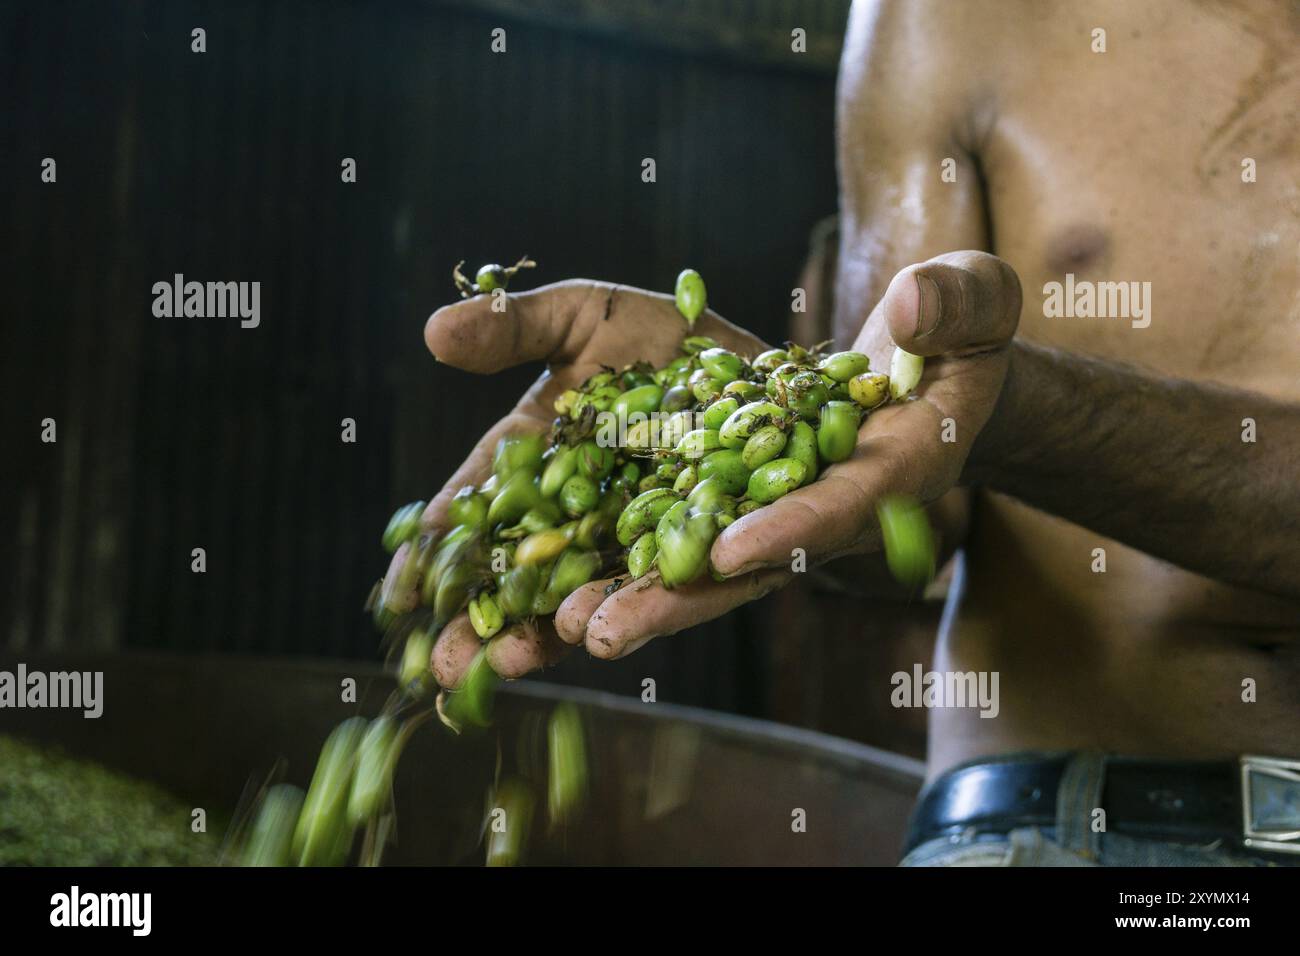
(577, 327)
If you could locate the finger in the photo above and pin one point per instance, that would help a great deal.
(533, 326)
(958, 302)
(643, 610)
(477, 467)
(834, 515)
(517, 650)
(576, 610)
(453, 652)
(525, 647)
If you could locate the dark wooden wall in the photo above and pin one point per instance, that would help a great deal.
(183, 433)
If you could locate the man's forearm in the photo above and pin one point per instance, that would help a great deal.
(1160, 464)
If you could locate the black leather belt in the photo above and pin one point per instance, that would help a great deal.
(1173, 801)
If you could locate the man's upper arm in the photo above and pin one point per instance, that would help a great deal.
(912, 109)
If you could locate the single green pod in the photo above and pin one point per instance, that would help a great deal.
(744, 421)
(805, 394)
(694, 344)
(786, 371)
(567, 777)
(596, 461)
(908, 539)
(905, 370)
(469, 507)
(491, 277)
(869, 390)
(683, 540)
(271, 841)
(414, 674)
(692, 298)
(774, 479)
(640, 401)
(686, 480)
(745, 391)
(641, 556)
(704, 387)
(516, 590)
(842, 366)
(748, 506)
(838, 433)
(404, 525)
(579, 495)
(727, 467)
(770, 360)
(571, 571)
(669, 469)
(566, 402)
(485, 615)
(698, 443)
(518, 494)
(574, 568)
(764, 445)
(372, 781)
(709, 497)
(323, 835)
(559, 469)
(471, 703)
(676, 398)
(722, 363)
(547, 600)
(801, 445)
(673, 517)
(542, 546)
(509, 822)
(519, 453)
(719, 411)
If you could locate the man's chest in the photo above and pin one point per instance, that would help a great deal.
(1157, 220)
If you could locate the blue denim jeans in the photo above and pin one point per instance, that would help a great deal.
(1072, 840)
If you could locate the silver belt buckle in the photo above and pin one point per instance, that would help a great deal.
(1254, 835)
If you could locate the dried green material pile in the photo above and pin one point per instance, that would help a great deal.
(56, 810)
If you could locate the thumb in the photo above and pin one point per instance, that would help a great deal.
(960, 301)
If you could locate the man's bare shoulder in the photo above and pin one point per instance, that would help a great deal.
(941, 65)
